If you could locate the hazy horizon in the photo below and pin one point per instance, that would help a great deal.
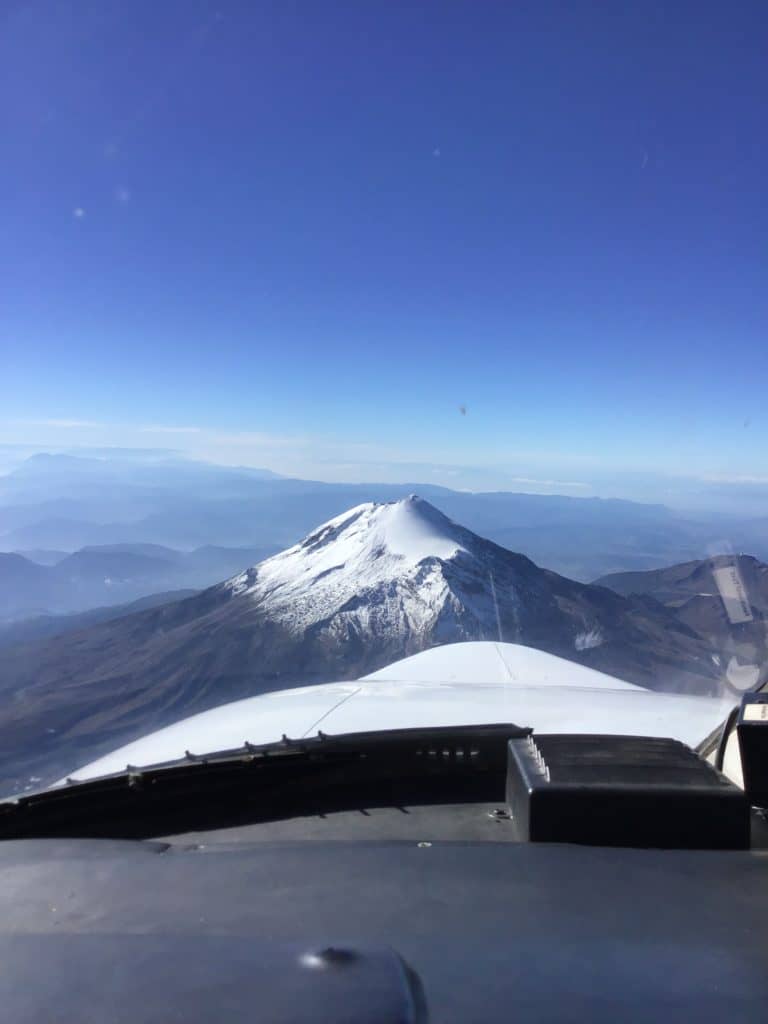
(713, 495)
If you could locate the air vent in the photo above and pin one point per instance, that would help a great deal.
(622, 791)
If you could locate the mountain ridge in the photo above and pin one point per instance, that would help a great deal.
(96, 576)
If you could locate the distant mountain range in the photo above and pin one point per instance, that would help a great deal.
(109, 574)
(42, 627)
(375, 584)
(65, 503)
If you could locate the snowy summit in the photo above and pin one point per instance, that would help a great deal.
(401, 533)
(360, 548)
(392, 553)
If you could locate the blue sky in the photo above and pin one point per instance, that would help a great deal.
(305, 235)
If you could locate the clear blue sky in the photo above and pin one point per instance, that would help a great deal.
(304, 234)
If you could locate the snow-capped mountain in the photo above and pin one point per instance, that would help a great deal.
(379, 583)
(401, 577)
(391, 570)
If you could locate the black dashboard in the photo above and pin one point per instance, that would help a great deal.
(390, 877)
(379, 931)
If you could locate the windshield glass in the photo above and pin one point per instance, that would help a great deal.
(419, 342)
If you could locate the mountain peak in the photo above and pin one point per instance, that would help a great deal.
(408, 530)
(371, 545)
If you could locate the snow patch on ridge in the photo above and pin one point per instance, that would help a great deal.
(588, 639)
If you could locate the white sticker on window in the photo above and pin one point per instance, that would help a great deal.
(734, 595)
